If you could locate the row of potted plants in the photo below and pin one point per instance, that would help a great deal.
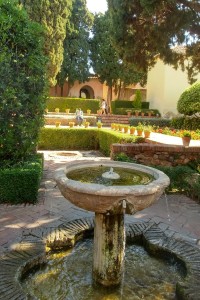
(57, 110)
(140, 130)
(72, 124)
(137, 113)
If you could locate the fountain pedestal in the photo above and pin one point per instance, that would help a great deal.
(110, 203)
(109, 249)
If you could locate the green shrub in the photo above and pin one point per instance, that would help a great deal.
(123, 111)
(184, 179)
(68, 139)
(107, 138)
(73, 103)
(189, 101)
(145, 105)
(189, 123)
(23, 82)
(82, 139)
(137, 103)
(125, 104)
(161, 122)
(123, 157)
(20, 182)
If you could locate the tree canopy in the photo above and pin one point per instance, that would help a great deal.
(105, 59)
(143, 29)
(53, 15)
(23, 82)
(75, 64)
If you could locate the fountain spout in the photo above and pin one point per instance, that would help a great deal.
(110, 174)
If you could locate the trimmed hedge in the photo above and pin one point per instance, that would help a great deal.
(186, 123)
(161, 122)
(125, 104)
(68, 139)
(123, 111)
(108, 137)
(73, 103)
(20, 183)
(82, 139)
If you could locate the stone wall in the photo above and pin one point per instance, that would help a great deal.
(163, 155)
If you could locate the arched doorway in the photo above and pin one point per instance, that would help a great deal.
(87, 92)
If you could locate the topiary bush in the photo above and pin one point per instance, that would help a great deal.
(23, 82)
(137, 103)
(189, 101)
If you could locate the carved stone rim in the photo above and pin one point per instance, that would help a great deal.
(160, 182)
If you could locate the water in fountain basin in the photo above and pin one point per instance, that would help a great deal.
(68, 276)
(94, 175)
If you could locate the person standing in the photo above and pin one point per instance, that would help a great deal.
(79, 116)
(103, 107)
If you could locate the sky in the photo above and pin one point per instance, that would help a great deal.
(96, 6)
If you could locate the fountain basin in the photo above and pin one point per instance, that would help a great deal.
(100, 198)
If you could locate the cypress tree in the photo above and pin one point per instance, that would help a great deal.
(75, 65)
(106, 61)
(53, 15)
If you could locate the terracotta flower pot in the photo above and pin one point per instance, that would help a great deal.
(57, 124)
(126, 129)
(139, 132)
(71, 124)
(186, 141)
(147, 134)
(132, 130)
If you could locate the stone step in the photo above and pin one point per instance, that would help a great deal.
(108, 119)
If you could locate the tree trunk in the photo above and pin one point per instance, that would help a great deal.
(119, 90)
(61, 91)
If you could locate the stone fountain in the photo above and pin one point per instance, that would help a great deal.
(110, 203)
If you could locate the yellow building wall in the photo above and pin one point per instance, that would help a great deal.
(164, 87)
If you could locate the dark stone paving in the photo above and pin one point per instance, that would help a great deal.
(25, 231)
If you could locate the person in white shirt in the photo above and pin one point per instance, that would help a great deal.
(79, 116)
(103, 107)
